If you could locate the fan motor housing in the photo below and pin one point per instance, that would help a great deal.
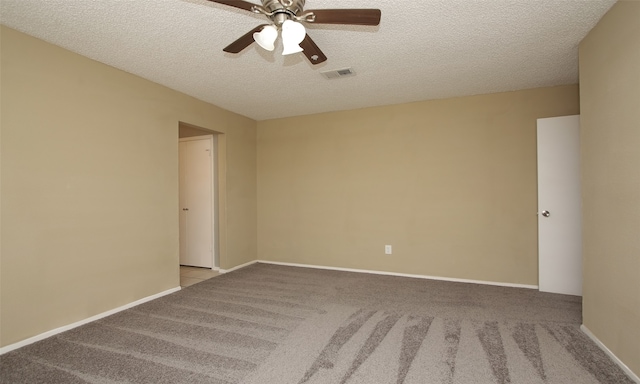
(296, 6)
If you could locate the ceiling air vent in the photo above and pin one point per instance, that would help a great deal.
(338, 73)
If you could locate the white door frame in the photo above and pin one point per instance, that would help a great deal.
(214, 192)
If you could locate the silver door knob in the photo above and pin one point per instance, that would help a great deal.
(546, 213)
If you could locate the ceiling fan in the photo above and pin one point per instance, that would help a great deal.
(286, 16)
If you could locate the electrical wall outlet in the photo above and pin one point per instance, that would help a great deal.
(387, 250)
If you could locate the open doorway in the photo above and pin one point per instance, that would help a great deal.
(199, 201)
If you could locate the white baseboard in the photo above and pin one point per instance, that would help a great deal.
(606, 350)
(99, 316)
(238, 267)
(451, 279)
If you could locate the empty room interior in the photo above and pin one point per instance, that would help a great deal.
(383, 227)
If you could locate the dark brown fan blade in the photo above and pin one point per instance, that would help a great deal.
(247, 6)
(311, 50)
(244, 41)
(347, 16)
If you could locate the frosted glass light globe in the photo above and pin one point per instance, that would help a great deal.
(267, 37)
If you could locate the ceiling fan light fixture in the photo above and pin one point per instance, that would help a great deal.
(285, 15)
(293, 33)
(267, 37)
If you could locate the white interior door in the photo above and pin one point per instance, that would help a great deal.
(196, 202)
(559, 206)
(182, 163)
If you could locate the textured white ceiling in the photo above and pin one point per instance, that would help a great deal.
(422, 49)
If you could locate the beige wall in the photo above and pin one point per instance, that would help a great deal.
(186, 130)
(89, 210)
(451, 184)
(610, 139)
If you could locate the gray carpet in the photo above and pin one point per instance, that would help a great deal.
(272, 324)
